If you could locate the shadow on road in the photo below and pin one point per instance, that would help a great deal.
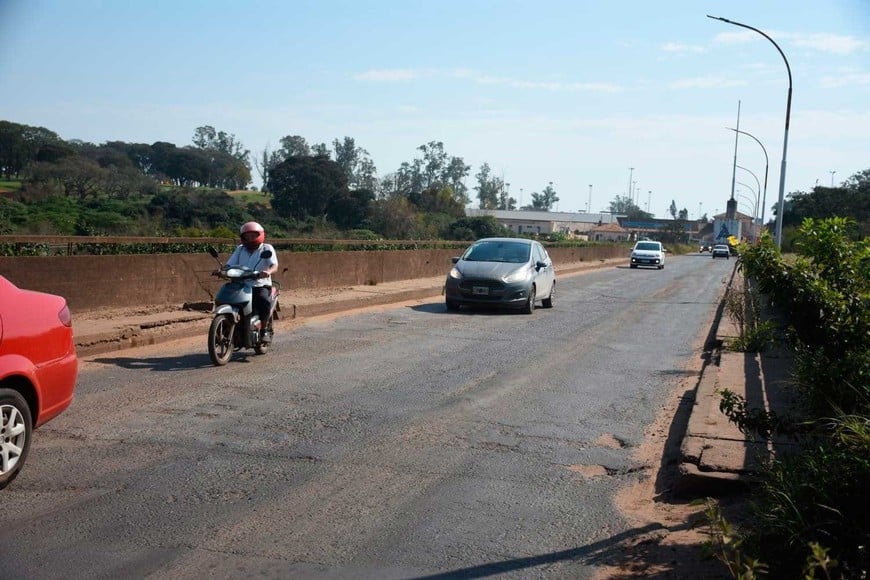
(163, 363)
(614, 551)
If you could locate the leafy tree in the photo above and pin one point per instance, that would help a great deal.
(673, 209)
(852, 200)
(355, 162)
(78, 176)
(624, 205)
(20, 146)
(479, 227)
(488, 188)
(545, 200)
(294, 146)
(441, 201)
(350, 210)
(394, 218)
(228, 159)
(505, 201)
(684, 214)
(320, 150)
(305, 187)
(434, 170)
(454, 176)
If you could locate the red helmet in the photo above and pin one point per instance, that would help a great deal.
(253, 227)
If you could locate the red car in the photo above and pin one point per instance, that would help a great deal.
(38, 369)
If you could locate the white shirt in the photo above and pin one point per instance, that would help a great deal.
(242, 257)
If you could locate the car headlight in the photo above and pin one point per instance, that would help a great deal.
(455, 273)
(517, 276)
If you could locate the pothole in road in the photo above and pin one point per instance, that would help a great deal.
(588, 470)
(609, 441)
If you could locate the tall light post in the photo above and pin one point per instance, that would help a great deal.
(832, 177)
(589, 203)
(766, 164)
(753, 205)
(781, 202)
(757, 191)
(648, 199)
(630, 175)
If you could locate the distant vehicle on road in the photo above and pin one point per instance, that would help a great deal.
(704, 248)
(506, 272)
(648, 253)
(721, 251)
(38, 369)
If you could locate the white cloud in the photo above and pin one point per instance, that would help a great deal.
(680, 48)
(819, 41)
(388, 75)
(706, 82)
(831, 43)
(554, 86)
(849, 78)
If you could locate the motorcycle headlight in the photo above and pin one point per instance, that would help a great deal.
(517, 276)
(455, 273)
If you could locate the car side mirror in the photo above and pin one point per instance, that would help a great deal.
(539, 265)
(212, 252)
(454, 259)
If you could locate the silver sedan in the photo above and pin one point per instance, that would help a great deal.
(508, 272)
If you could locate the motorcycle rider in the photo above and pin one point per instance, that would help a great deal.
(247, 254)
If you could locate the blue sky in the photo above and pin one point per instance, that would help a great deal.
(570, 92)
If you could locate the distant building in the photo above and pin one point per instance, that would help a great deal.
(747, 230)
(609, 233)
(573, 225)
(652, 227)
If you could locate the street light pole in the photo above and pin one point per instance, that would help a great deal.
(781, 202)
(757, 193)
(589, 204)
(832, 177)
(766, 165)
(630, 175)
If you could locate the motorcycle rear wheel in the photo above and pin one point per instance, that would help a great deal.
(220, 340)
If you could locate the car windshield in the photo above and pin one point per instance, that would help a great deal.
(647, 246)
(511, 252)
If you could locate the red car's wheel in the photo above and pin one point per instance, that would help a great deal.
(16, 428)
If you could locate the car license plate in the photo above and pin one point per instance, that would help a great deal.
(480, 290)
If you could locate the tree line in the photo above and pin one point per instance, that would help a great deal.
(121, 187)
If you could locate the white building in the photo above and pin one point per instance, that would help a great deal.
(573, 225)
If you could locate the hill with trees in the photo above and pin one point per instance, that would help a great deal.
(52, 186)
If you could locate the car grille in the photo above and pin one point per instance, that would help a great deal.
(495, 289)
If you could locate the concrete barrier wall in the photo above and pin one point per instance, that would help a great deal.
(93, 282)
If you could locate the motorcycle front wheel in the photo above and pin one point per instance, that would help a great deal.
(220, 340)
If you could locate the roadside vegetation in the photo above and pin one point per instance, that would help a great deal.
(811, 517)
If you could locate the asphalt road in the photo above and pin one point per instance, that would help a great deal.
(396, 443)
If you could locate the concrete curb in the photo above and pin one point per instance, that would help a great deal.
(715, 457)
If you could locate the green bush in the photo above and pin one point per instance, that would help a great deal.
(812, 513)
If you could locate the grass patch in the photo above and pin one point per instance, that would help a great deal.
(245, 197)
(7, 185)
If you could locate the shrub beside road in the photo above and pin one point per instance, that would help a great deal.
(812, 517)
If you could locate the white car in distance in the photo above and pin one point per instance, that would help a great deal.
(648, 253)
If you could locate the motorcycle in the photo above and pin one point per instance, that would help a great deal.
(236, 325)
